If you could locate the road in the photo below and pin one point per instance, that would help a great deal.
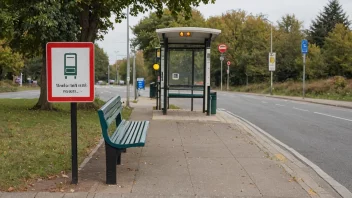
(323, 134)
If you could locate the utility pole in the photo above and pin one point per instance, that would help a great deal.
(108, 74)
(228, 76)
(134, 75)
(128, 58)
(116, 52)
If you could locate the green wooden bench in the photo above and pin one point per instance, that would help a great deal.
(126, 134)
(185, 95)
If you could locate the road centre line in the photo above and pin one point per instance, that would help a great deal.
(299, 109)
(264, 102)
(280, 105)
(333, 116)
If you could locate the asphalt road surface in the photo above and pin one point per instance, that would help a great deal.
(323, 134)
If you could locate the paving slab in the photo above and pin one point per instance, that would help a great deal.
(107, 195)
(136, 195)
(18, 195)
(283, 185)
(77, 195)
(207, 151)
(164, 152)
(168, 167)
(163, 129)
(166, 184)
(163, 141)
(219, 177)
(49, 195)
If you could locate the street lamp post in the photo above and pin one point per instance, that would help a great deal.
(271, 51)
(128, 58)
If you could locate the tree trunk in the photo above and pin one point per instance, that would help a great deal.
(43, 103)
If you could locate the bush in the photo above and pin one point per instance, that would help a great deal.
(7, 86)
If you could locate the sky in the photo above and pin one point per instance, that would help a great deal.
(115, 42)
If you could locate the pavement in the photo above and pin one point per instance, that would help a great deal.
(189, 154)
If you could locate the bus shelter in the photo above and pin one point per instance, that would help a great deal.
(185, 64)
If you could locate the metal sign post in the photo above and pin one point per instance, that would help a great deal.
(70, 71)
(228, 74)
(304, 49)
(272, 67)
(222, 49)
(221, 59)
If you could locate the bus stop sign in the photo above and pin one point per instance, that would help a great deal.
(70, 71)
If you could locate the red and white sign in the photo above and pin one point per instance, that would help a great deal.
(228, 63)
(70, 71)
(222, 48)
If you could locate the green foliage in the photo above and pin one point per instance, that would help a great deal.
(7, 86)
(146, 37)
(287, 44)
(326, 21)
(141, 68)
(101, 64)
(10, 61)
(338, 52)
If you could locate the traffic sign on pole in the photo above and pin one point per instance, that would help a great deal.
(272, 61)
(304, 46)
(70, 71)
(228, 63)
(222, 48)
(70, 78)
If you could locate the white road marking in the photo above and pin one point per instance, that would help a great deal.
(333, 116)
(280, 105)
(300, 109)
(264, 102)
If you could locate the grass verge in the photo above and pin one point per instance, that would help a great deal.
(8, 86)
(336, 88)
(172, 106)
(37, 144)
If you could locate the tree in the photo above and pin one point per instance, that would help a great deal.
(338, 52)
(10, 62)
(146, 37)
(141, 68)
(287, 46)
(36, 22)
(326, 21)
(101, 60)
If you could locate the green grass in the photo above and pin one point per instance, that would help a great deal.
(9, 86)
(37, 144)
(172, 106)
(333, 89)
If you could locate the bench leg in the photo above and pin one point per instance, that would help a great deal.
(118, 158)
(111, 158)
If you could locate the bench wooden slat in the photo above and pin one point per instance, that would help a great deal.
(130, 132)
(111, 118)
(144, 133)
(119, 132)
(135, 133)
(122, 132)
(140, 132)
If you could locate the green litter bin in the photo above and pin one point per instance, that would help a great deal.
(152, 90)
(213, 99)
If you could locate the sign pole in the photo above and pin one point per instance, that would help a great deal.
(228, 74)
(304, 75)
(74, 143)
(271, 83)
(222, 58)
(304, 49)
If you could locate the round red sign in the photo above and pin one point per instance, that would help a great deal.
(228, 63)
(222, 48)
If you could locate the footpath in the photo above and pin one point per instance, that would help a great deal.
(189, 154)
